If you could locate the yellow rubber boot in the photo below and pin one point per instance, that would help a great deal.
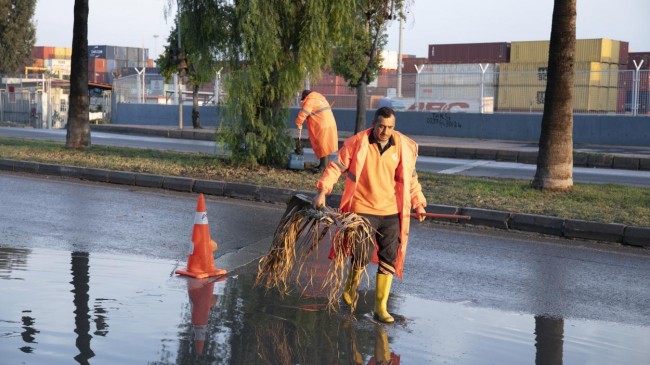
(382, 350)
(381, 298)
(350, 294)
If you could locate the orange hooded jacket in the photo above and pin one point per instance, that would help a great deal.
(351, 160)
(321, 124)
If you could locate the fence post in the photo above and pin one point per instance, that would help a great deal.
(417, 87)
(635, 87)
(483, 69)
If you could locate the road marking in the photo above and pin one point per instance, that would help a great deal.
(457, 169)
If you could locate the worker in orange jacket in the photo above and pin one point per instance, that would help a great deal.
(321, 125)
(381, 185)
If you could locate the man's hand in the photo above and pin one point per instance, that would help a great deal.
(319, 199)
(419, 213)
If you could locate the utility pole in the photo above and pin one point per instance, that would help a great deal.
(399, 59)
(180, 77)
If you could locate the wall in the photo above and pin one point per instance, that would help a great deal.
(587, 129)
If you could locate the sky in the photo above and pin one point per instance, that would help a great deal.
(136, 23)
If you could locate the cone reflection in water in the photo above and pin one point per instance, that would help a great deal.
(202, 299)
(200, 262)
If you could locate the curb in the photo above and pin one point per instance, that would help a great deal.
(580, 159)
(560, 227)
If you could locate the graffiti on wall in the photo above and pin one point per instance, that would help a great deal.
(443, 120)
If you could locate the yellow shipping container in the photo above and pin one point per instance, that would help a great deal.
(587, 74)
(587, 50)
(531, 99)
(62, 53)
(522, 88)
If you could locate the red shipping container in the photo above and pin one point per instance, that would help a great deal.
(638, 57)
(96, 65)
(408, 64)
(469, 53)
(623, 53)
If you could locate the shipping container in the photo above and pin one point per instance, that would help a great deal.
(111, 65)
(133, 54)
(38, 63)
(96, 51)
(43, 52)
(638, 57)
(586, 73)
(408, 64)
(96, 65)
(623, 53)
(469, 53)
(388, 60)
(62, 53)
(593, 99)
(587, 50)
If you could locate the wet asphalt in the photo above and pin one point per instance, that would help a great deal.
(87, 276)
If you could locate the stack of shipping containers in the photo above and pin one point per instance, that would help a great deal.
(522, 82)
(56, 60)
(106, 62)
(454, 76)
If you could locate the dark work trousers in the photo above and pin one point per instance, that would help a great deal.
(387, 237)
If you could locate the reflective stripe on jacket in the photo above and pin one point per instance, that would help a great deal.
(351, 160)
(321, 124)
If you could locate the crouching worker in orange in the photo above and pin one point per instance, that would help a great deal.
(321, 125)
(381, 184)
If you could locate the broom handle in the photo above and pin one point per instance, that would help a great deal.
(443, 216)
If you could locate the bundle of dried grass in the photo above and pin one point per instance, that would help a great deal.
(296, 240)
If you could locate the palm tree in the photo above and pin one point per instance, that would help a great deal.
(78, 127)
(555, 158)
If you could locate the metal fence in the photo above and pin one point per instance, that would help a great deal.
(43, 102)
(601, 92)
(493, 88)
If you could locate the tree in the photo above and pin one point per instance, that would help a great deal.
(204, 31)
(274, 45)
(17, 34)
(78, 127)
(357, 59)
(555, 158)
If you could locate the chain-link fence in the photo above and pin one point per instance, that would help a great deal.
(43, 102)
(472, 88)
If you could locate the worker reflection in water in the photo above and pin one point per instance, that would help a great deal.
(382, 354)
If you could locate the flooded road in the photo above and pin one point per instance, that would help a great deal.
(87, 277)
(63, 307)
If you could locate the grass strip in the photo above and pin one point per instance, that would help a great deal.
(607, 203)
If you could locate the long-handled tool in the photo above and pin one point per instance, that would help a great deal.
(443, 216)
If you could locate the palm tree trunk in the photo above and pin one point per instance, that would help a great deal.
(555, 158)
(78, 127)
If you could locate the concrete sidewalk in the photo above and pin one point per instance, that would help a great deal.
(616, 157)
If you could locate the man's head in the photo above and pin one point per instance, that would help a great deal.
(383, 123)
(304, 94)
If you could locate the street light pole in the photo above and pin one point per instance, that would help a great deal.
(180, 78)
(155, 46)
(399, 59)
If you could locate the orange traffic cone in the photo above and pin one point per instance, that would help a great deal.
(200, 262)
(202, 299)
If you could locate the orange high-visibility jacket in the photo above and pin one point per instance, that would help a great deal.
(321, 124)
(351, 160)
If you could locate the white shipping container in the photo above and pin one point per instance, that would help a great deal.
(389, 60)
(459, 74)
(61, 63)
